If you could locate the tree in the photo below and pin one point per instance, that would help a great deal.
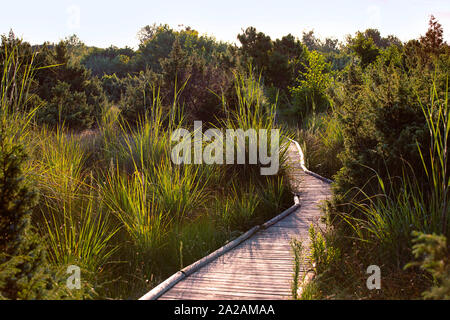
(256, 47)
(285, 62)
(23, 266)
(174, 65)
(68, 108)
(203, 81)
(433, 41)
(310, 94)
(149, 31)
(364, 48)
(278, 61)
(310, 40)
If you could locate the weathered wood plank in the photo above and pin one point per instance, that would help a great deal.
(228, 294)
(224, 287)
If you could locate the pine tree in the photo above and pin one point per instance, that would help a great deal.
(24, 271)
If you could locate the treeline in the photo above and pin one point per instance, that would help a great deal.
(85, 81)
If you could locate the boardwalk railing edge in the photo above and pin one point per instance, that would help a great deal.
(162, 288)
(302, 163)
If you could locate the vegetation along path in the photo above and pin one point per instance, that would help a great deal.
(261, 267)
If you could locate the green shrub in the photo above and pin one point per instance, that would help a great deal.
(297, 249)
(66, 108)
(138, 98)
(433, 249)
(310, 95)
(113, 87)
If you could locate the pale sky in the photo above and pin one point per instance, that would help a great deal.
(103, 23)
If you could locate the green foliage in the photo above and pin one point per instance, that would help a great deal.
(62, 87)
(238, 212)
(70, 212)
(368, 45)
(433, 250)
(113, 87)
(314, 78)
(15, 213)
(323, 253)
(278, 61)
(364, 48)
(66, 108)
(201, 82)
(331, 49)
(417, 200)
(194, 72)
(310, 94)
(257, 46)
(382, 120)
(157, 43)
(195, 239)
(110, 61)
(139, 95)
(297, 249)
(23, 270)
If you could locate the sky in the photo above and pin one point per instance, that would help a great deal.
(103, 23)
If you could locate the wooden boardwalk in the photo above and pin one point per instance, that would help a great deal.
(260, 268)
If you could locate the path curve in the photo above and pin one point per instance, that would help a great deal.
(260, 267)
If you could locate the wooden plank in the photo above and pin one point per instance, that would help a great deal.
(263, 258)
(244, 278)
(236, 287)
(250, 272)
(257, 264)
(202, 280)
(201, 263)
(211, 296)
(224, 295)
(237, 295)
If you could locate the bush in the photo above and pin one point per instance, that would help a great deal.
(113, 87)
(201, 83)
(139, 97)
(381, 117)
(310, 95)
(24, 270)
(433, 249)
(66, 108)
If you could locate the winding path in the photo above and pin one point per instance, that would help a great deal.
(261, 267)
